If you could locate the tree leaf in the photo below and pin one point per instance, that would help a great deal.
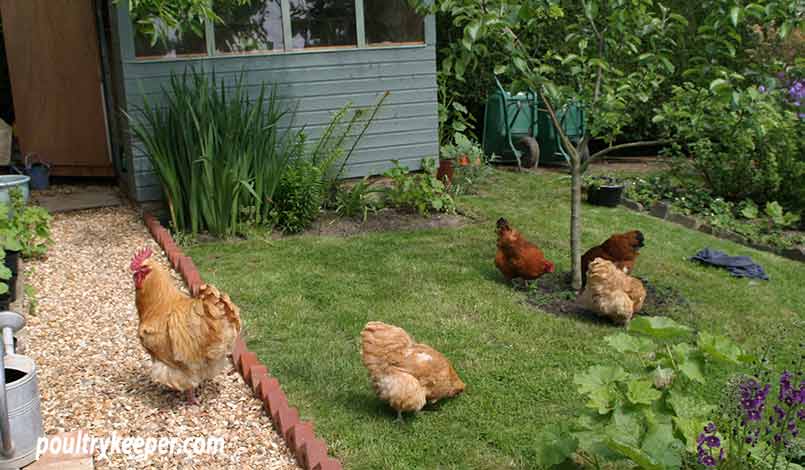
(520, 64)
(554, 446)
(735, 15)
(624, 343)
(473, 29)
(720, 86)
(642, 392)
(500, 69)
(658, 327)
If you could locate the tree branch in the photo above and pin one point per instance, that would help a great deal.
(642, 143)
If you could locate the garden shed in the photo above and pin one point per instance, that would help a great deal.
(321, 54)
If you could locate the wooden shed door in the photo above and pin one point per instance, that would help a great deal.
(55, 70)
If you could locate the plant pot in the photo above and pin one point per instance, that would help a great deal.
(445, 171)
(12, 260)
(607, 195)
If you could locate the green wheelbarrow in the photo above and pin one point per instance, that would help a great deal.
(518, 129)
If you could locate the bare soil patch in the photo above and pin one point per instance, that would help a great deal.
(385, 220)
(552, 293)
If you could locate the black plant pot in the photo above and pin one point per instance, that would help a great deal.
(12, 258)
(607, 196)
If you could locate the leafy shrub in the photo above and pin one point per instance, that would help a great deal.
(312, 177)
(647, 414)
(741, 146)
(215, 151)
(421, 192)
(470, 165)
(27, 230)
(298, 198)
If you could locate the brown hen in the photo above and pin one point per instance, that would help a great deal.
(517, 257)
(187, 338)
(622, 249)
(404, 373)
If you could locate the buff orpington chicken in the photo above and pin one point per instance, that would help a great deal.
(188, 338)
(622, 249)
(516, 257)
(612, 293)
(404, 373)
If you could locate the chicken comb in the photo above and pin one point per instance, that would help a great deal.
(141, 256)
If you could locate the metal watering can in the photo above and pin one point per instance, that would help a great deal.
(20, 415)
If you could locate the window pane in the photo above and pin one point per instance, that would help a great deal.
(255, 26)
(171, 42)
(323, 23)
(392, 22)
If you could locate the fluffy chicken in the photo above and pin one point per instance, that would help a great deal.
(611, 292)
(187, 338)
(404, 373)
(517, 257)
(622, 249)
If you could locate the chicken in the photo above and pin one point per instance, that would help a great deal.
(611, 292)
(516, 257)
(404, 373)
(621, 249)
(187, 338)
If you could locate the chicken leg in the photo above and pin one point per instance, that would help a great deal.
(191, 397)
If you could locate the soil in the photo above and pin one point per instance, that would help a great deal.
(552, 293)
(385, 220)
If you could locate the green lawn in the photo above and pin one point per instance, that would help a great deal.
(305, 300)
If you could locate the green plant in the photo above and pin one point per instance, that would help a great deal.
(594, 182)
(421, 192)
(311, 180)
(215, 150)
(647, 414)
(27, 230)
(739, 144)
(780, 217)
(298, 198)
(30, 297)
(357, 200)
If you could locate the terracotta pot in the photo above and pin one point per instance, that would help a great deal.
(445, 171)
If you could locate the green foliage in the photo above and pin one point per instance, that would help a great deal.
(357, 200)
(299, 197)
(218, 154)
(311, 179)
(27, 230)
(421, 192)
(470, 166)
(646, 414)
(742, 144)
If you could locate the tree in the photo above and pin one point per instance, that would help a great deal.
(614, 54)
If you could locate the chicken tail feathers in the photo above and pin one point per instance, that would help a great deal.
(231, 312)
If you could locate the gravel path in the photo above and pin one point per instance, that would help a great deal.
(93, 373)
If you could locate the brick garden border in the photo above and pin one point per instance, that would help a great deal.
(300, 437)
(662, 210)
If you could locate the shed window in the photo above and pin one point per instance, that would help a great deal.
(255, 26)
(172, 42)
(392, 22)
(323, 23)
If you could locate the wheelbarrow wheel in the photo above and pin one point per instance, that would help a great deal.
(530, 148)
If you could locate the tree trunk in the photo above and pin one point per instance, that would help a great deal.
(575, 223)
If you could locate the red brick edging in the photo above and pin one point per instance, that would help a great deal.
(299, 435)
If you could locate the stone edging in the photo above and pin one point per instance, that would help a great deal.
(662, 210)
(310, 451)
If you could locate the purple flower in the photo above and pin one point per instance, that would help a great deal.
(707, 460)
(761, 89)
(712, 442)
(710, 428)
(753, 399)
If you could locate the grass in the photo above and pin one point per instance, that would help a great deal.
(305, 300)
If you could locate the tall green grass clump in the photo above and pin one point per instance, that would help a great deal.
(219, 155)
